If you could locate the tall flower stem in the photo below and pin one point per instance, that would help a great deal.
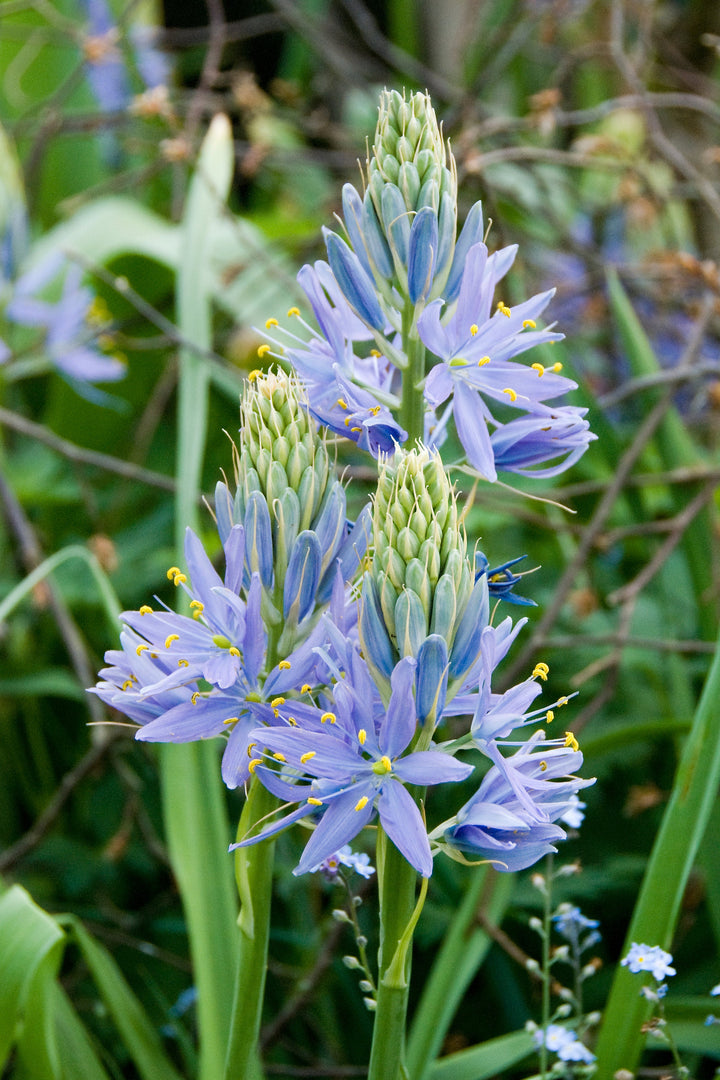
(398, 915)
(254, 876)
(412, 407)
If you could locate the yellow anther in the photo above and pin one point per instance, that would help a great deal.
(127, 684)
(293, 311)
(173, 572)
(570, 740)
(328, 716)
(284, 665)
(230, 720)
(254, 375)
(276, 713)
(145, 610)
(541, 671)
(153, 655)
(483, 361)
(361, 803)
(263, 349)
(277, 701)
(292, 721)
(234, 651)
(314, 802)
(502, 307)
(375, 409)
(279, 757)
(305, 688)
(348, 421)
(250, 749)
(562, 701)
(474, 329)
(254, 764)
(549, 716)
(198, 608)
(529, 322)
(539, 368)
(170, 638)
(274, 322)
(183, 663)
(356, 429)
(304, 758)
(556, 367)
(141, 649)
(543, 766)
(510, 393)
(179, 579)
(386, 762)
(194, 697)
(342, 403)
(376, 353)
(362, 736)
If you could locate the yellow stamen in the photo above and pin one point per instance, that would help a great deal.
(145, 610)
(179, 579)
(539, 368)
(386, 762)
(254, 374)
(273, 322)
(342, 403)
(361, 803)
(529, 322)
(304, 758)
(362, 736)
(328, 716)
(231, 720)
(234, 651)
(305, 688)
(356, 429)
(250, 749)
(293, 311)
(183, 663)
(127, 684)
(254, 764)
(549, 716)
(314, 802)
(263, 349)
(141, 649)
(277, 701)
(194, 697)
(570, 740)
(348, 421)
(541, 671)
(503, 308)
(170, 638)
(376, 353)
(562, 701)
(474, 329)
(284, 665)
(510, 393)
(556, 367)
(543, 766)
(483, 361)
(292, 721)
(279, 757)
(198, 608)
(374, 410)
(173, 572)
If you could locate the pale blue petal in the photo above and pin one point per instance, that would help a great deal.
(403, 823)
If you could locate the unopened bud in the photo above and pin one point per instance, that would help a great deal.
(351, 962)
(340, 916)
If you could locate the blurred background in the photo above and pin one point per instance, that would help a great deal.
(591, 132)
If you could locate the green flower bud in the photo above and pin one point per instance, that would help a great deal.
(280, 448)
(420, 552)
(409, 151)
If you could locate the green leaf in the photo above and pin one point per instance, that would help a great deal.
(487, 1059)
(139, 1035)
(78, 1058)
(30, 951)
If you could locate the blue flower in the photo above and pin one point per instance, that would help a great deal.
(352, 772)
(501, 580)
(70, 341)
(542, 444)
(510, 819)
(649, 958)
(563, 1042)
(358, 861)
(570, 923)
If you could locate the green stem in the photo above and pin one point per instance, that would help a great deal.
(547, 894)
(397, 880)
(412, 408)
(684, 822)
(254, 876)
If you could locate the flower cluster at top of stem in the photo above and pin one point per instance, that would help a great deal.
(410, 336)
(331, 700)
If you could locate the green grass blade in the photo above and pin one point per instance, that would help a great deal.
(487, 1059)
(78, 1059)
(138, 1034)
(671, 860)
(198, 835)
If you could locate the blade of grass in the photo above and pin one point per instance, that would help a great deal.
(683, 825)
(487, 1059)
